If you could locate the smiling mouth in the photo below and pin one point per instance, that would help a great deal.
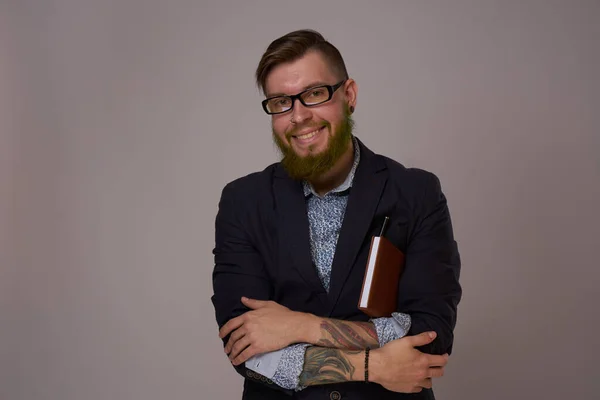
(309, 135)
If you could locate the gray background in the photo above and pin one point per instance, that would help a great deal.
(122, 120)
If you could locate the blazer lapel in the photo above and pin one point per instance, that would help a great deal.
(293, 229)
(365, 193)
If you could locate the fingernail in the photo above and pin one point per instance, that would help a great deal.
(432, 334)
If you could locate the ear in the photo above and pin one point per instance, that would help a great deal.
(351, 92)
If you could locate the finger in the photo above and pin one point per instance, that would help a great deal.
(231, 325)
(238, 347)
(245, 355)
(235, 336)
(436, 372)
(437, 361)
(422, 339)
(426, 383)
(253, 303)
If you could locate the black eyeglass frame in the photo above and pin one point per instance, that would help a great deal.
(330, 89)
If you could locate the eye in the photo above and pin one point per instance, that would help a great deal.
(279, 102)
(317, 92)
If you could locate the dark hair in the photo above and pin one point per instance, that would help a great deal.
(293, 46)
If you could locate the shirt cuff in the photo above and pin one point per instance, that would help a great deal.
(265, 364)
(290, 367)
(391, 328)
(283, 366)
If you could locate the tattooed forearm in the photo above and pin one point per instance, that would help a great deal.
(347, 335)
(324, 365)
(338, 354)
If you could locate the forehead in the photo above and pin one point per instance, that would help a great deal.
(295, 76)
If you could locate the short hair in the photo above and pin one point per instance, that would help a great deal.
(293, 46)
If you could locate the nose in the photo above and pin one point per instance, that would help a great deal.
(300, 113)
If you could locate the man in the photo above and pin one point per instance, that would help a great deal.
(292, 243)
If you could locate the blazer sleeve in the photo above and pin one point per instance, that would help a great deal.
(429, 290)
(238, 270)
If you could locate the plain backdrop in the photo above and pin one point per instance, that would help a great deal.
(121, 121)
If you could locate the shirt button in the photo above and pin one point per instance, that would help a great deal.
(335, 395)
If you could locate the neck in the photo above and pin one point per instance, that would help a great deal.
(337, 174)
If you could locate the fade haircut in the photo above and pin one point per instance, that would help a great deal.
(295, 45)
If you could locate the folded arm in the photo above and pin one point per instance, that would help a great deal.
(269, 327)
(285, 366)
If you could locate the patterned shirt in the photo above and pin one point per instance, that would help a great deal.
(325, 216)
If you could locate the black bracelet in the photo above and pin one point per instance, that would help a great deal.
(367, 364)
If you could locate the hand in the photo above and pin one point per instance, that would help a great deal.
(399, 367)
(268, 327)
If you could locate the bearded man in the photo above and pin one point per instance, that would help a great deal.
(292, 242)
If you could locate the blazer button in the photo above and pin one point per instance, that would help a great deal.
(335, 395)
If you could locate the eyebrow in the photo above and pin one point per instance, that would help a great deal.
(312, 85)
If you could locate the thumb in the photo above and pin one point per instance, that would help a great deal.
(253, 304)
(423, 338)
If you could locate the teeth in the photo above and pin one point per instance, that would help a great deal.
(308, 135)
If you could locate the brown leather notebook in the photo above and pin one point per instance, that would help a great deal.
(379, 294)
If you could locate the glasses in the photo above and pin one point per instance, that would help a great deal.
(309, 98)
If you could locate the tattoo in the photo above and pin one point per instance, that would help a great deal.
(324, 365)
(347, 335)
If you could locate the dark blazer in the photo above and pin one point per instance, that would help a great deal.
(262, 251)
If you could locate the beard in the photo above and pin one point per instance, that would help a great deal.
(314, 165)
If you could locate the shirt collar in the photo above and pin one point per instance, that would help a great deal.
(347, 184)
